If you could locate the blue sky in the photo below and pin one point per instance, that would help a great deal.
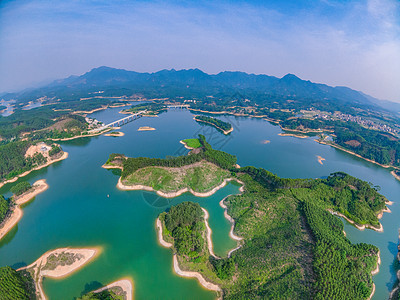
(351, 43)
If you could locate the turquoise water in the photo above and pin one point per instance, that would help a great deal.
(75, 211)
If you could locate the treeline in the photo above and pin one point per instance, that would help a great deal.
(340, 267)
(185, 224)
(21, 188)
(4, 208)
(15, 285)
(220, 158)
(224, 126)
(355, 198)
(381, 147)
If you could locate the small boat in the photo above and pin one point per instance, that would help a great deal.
(108, 196)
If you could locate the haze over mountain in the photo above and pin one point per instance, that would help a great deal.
(188, 83)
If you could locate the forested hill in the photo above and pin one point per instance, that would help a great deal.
(191, 83)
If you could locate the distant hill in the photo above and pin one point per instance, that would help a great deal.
(194, 83)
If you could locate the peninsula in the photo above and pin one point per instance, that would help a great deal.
(10, 211)
(273, 218)
(118, 290)
(58, 263)
(225, 127)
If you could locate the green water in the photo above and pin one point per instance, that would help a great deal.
(75, 211)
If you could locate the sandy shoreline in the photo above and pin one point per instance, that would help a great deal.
(111, 167)
(60, 271)
(178, 270)
(293, 135)
(117, 133)
(208, 234)
(186, 146)
(126, 284)
(16, 212)
(374, 272)
(136, 187)
(352, 153)
(81, 136)
(146, 128)
(359, 227)
(64, 156)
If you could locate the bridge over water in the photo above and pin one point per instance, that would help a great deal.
(122, 121)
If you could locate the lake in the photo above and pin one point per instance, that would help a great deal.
(83, 207)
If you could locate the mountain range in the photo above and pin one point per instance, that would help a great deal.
(194, 83)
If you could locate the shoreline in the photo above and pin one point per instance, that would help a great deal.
(87, 254)
(137, 187)
(64, 156)
(111, 167)
(353, 153)
(126, 284)
(293, 135)
(179, 271)
(118, 133)
(226, 132)
(359, 227)
(16, 213)
(186, 146)
(146, 128)
(82, 136)
(208, 234)
(374, 272)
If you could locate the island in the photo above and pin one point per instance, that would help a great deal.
(225, 127)
(117, 290)
(115, 133)
(10, 210)
(146, 128)
(26, 282)
(291, 243)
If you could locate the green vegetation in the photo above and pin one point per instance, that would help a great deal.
(104, 295)
(200, 177)
(221, 125)
(152, 108)
(292, 247)
(55, 149)
(185, 223)
(4, 208)
(130, 165)
(13, 161)
(192, 143)
(21, 188)
(15, 285)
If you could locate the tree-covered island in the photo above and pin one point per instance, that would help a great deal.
(293, 246)
(225, 127)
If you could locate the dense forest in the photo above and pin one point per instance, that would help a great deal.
(21, 188)
(185, 224)
(4, 207)
(293, 247)
(224, 126)
(16, 285)
(13, 161)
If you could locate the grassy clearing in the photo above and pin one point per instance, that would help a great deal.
(200, 177)
(192, 143)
